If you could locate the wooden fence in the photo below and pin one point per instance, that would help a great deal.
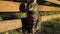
(16, 23)
(49, 17)
(8, 6)
(10, 25)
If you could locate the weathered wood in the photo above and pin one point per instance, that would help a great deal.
(54, 1)
(10, 25)
(45, 18)
(47, 8)
(7, 6)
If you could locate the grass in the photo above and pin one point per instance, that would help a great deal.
(46, 13)
(51, 27)
(7, 16)
(15, 31)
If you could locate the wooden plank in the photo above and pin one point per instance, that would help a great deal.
(47, 8)
(54, 1)
(7, 6)
(10, 25)
(49, 17)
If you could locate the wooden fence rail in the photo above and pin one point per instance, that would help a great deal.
(10, 25)
(47, 8)
(8, 6)
(45, 18)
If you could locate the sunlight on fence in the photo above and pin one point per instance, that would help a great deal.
(10, 25)
(8, 6)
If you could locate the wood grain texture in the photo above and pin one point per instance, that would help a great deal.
(10, 25)
(47, 8)
(49, 17)
(7, 6)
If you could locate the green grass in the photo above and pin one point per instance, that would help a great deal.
(5, 16)
(46, 13)
(15, 31)
(51, 27)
